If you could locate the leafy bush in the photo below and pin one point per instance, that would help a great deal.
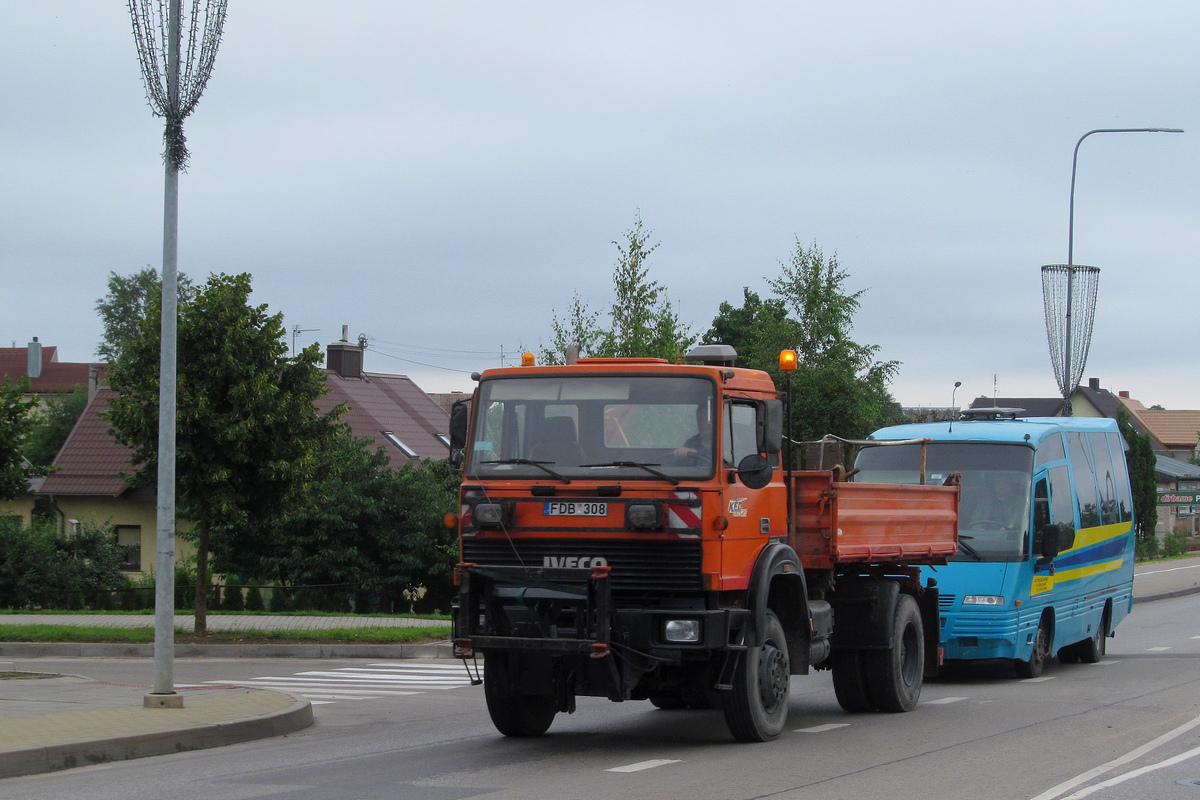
(231, 595)
(254, 598)
(42, 568)
(1146, 549)
(1176, 544)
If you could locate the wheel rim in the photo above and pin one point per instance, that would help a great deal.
(1040, 646)
(772, 676)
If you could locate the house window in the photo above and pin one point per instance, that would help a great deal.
(394, 439)
(129, 539)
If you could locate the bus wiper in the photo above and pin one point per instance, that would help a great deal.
(967, 548)
(525, 461)
(639, 465)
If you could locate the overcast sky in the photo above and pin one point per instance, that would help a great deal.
(441, 176)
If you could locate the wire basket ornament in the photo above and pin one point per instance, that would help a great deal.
(1069, 296)
(173, 87)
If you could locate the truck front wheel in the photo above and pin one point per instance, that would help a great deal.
(894, 676)
(513, 714)
(756, 708)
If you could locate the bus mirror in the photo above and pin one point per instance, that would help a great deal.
(770, 426)
(1050, 548)
(754, 471)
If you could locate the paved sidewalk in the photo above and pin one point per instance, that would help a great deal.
(49, 724)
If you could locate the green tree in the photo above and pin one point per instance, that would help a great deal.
(50, 429)
(245, 414)
(1143, 466)
(839, 386)
(15, 427)
(365, 524)
(125, 306)
(641, 320)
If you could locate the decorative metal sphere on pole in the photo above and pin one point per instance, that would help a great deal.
(174, 78)
(1066, 285)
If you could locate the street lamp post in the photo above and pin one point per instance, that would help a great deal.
(1071, 246)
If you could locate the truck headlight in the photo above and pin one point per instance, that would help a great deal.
(682, 630)
(488, 515)
(642, 516)
(983, 600)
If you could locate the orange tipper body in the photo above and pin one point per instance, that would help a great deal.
(625, 532)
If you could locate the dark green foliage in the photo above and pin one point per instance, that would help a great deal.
(1143, 465)
(642, 321)
(838, 386)
(1175, 544)
(50, 429)
(231, 595)
(246, 419)
(125, 306)
(15, 429)
(365, 529)
(254, 598)
(40, 567)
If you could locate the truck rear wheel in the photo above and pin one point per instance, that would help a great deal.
(513, 714)
(894, 676)
(756, 708)
(850, 681)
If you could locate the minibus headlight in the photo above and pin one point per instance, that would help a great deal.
(983, 600)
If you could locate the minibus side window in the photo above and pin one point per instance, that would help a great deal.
(1106, 479)
(1062, 507)
(1116, 446)
(1085, 480)
(1051, 449)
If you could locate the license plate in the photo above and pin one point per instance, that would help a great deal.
(558, 508)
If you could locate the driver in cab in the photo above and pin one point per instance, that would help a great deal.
(1000, 507)
(698, 446)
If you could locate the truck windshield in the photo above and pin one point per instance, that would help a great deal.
(593, 427)
(993, 512)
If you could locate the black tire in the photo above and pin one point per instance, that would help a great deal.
(756, 708)
(668, 702)
(850, 681)
(1091, 650)
(1068, 654)
(513, 714)
(1037, 659)
(895, 676)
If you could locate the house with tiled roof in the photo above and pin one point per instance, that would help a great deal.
(390, 410)
(1178, 496)
(47, 375)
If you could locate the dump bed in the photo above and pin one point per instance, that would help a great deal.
(837, 522)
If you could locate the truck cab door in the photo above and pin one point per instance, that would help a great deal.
(754, 499)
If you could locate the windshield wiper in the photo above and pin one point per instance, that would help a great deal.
(525, 461)
(967, 548)
(639, 465)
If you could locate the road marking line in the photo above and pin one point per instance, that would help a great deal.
(1196, 637)
(1172, 569)
(641, 765)
(320, 702)
(822, 728)
(1132, 755)
(944, 701)
(1039, 680)
(1107, 663)
(1170, 762)
(1156, 649)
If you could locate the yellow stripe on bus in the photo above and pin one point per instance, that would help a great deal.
(1086, 537)
(1044, 583)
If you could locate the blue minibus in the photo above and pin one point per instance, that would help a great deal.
(1046, 545)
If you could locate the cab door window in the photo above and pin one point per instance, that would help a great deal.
(740, 432)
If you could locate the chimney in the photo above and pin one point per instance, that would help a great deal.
(1094, 384)
(344, 358)
(93, 380)
(1123, 394)
(34, 370)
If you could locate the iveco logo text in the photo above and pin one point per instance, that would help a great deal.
(575, 561)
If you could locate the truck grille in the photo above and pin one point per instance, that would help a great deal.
(657, 567)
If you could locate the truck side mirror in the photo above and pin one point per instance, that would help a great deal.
(770, 426)
(754, 471)
(459, 418)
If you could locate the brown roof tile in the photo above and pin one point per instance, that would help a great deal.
(56, 378)
(91, 460)
(380, 403)
(1173, 428)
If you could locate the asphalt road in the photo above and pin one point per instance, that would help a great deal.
(417, 730)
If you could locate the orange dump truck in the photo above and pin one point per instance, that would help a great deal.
(628, 531)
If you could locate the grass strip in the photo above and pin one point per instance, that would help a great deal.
(96, 635)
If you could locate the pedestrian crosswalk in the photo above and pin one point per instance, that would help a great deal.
(383, 679)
